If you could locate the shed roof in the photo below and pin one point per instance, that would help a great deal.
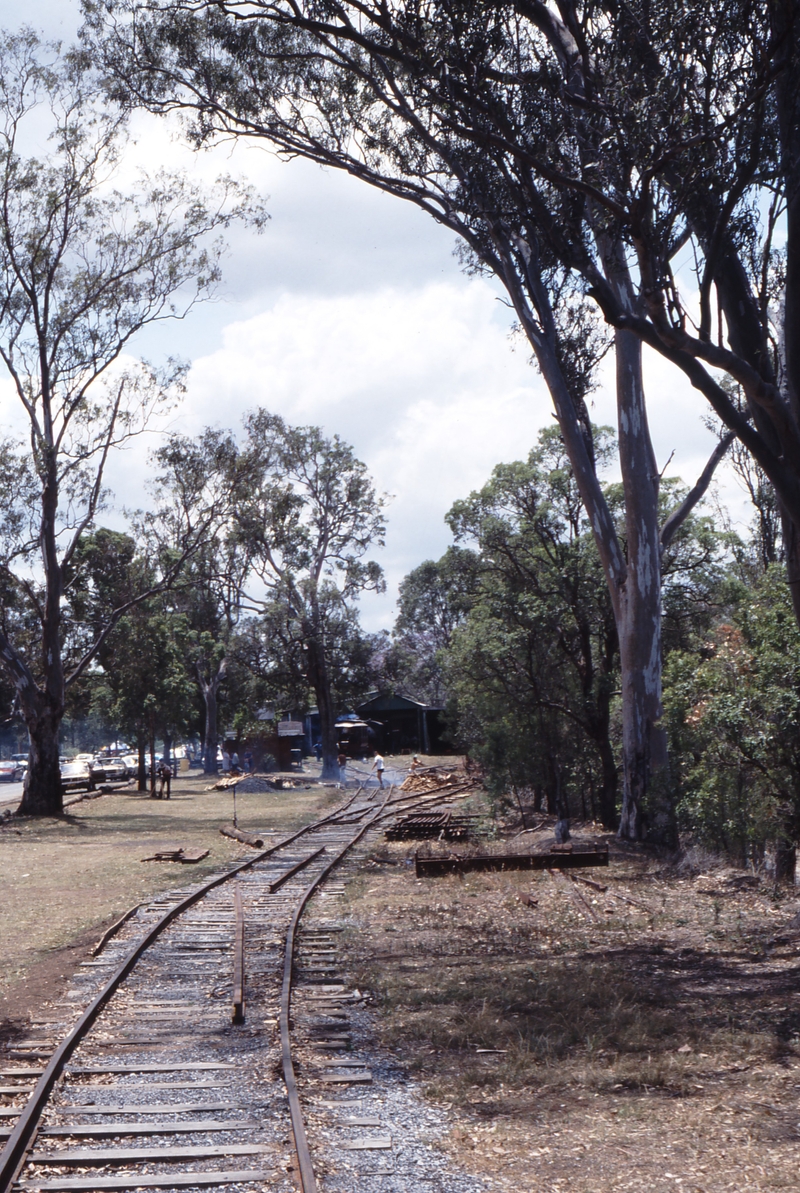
(393, 703)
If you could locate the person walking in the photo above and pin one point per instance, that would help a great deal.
(342, 760)
(378, 766)
(164, 779)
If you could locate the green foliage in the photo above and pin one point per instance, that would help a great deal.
(531, 666)
(434, 598)
(733, 711)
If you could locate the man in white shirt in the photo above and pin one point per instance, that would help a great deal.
(379, 767)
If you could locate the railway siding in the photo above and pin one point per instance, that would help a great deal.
(172, 1081)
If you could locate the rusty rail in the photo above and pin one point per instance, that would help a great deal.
(308, 1180)
(435, 867)
(21, 1138)
(287, 874)
(238, 958)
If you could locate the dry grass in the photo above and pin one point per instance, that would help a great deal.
(648, 1035)
(62, 881)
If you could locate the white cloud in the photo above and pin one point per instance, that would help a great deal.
(423, 382)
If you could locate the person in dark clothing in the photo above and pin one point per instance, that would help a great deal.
(164, 773)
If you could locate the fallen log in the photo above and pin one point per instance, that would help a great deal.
(250, 839)
(434, 867)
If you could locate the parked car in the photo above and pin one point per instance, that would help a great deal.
(11, 771)
(109, 770)
(76, 774)
(131, 765)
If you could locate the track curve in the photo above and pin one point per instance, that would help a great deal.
(336, 835)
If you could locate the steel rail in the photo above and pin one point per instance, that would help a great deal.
(290, 873)
(305, 1164)
(238, 959)
(21, 1138)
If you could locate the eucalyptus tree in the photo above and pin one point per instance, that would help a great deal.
(83, 267)
(534, 665)
(202, 472)
(486, 117)
(308, 515)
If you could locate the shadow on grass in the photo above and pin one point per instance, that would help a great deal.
(620, 1019)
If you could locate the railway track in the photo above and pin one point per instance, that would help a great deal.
(179, 1071)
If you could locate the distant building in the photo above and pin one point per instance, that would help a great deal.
(390, 724)
(404, 725)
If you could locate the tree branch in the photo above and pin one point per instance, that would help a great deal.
(679, 515)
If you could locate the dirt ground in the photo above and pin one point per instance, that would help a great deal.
(642, 1033)
(62, 882)
(643, 1036)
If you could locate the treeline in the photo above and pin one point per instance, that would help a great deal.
(628, 174)
(260, 611)
(514, 627)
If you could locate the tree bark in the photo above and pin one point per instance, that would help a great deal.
(141, 743)
(646, 806)
(42, 793)
(319, 678)
(210, 691)
(43, 707)
(152, 755)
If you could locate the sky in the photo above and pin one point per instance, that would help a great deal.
(351, 312)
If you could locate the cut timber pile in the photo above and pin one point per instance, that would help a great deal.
(178, 854)
(432, 778)
(256, 783)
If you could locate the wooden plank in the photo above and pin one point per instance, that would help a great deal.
(111, 1130)
(139, 1087)
(15, 1089)
(179, 1068)
(143, 1107)
(21, 1072)
(379, 1143)
(191, 856)
(349, 1078)
(179, 1180)
(136, 1155)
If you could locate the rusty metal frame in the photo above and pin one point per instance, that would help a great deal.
(435, 867)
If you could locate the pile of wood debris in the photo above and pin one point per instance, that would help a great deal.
(257, 783)
(433, 778)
